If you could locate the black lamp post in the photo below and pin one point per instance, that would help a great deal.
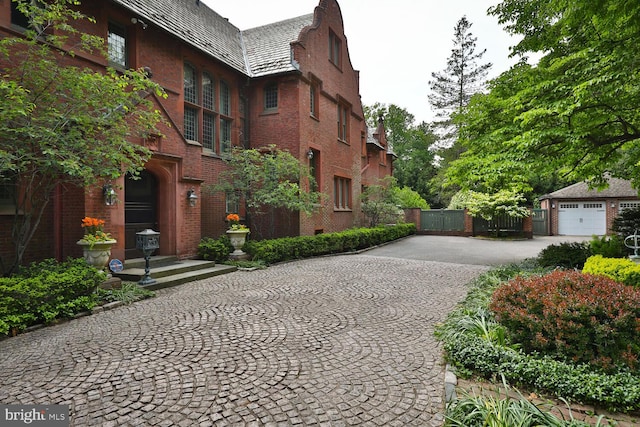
(147, 241)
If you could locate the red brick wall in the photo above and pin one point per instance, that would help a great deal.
(180, 165)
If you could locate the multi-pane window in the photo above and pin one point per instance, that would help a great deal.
(208, 113)
(190, 84)
(208, 92)
(225, 135)
(341, 193)
(232, 204)
(335, 49)
(117, 46)
(209, 131)
(271, 96)
(313, 100)
(202, 123)
(629, 205)
(225, 120)
(191, 123)
(343, 122)
(8, 190)
(225, 99)
(314, 170)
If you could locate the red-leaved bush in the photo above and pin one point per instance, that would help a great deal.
(567, 314)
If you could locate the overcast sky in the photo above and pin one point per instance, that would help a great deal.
(395, 44)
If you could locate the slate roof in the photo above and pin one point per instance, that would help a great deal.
(371, 139)
(268, 49)
(255, 52)
(617, 188)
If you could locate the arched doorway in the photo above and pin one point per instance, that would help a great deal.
(140, 209)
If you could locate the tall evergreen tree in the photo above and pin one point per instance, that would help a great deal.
(452, 88)
(451, 91)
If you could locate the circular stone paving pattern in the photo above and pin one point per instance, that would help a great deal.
(335, 341)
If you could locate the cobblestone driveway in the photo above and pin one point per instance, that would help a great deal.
(344, 340)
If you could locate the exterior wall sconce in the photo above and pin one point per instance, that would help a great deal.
(135, 21)
(109, 194)
(613, 204)
(553, 205)
(192, 197)
(310, 154)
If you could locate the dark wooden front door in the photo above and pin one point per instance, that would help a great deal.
(140, 209)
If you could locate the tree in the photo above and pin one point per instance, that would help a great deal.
(576, 113)
(408, 199)
(415, 165)
(492, 206)
(452, 89)
(380, 204)
(267, 179)
(63, 126)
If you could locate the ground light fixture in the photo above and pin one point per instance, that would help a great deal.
(147, 241)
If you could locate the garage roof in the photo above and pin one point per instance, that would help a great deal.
(617, 188)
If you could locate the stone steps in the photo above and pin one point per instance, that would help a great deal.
(168, 271)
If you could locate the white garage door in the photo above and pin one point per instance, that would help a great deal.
(582, 218)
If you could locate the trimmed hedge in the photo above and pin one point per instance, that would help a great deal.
(617, 392)
(46, 291)
(621, 270)
(289, 248)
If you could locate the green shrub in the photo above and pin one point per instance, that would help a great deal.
(608, 246)
(45, 291)
(571, 315)
(566, 255)
(621, 270)
(288, 248)
(627, 222)
(217, 250)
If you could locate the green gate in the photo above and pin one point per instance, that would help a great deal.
(500, 225)
(442, 220)
(540, 222)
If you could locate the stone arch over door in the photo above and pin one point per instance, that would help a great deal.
(156, 194)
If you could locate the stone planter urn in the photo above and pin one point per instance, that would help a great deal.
(97, 254)
(238, 238)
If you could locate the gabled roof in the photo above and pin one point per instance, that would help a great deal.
(255, 52)
(268, 48)
(617, 188)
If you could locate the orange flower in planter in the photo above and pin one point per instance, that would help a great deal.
(93, 231)
(234, 222)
